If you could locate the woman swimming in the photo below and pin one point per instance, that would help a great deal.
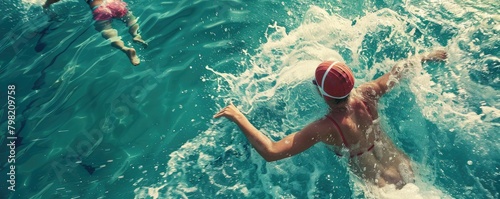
(352, 123)
(104, 11)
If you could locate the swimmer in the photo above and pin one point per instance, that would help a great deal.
(104, 11)
(352, 123)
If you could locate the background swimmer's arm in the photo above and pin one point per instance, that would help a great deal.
(383, 84)
(269, 150)
(49, 2)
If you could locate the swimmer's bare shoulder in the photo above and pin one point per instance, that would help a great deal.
(369, 91)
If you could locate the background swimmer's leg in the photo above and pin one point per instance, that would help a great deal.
(133, 26)
(112, 35)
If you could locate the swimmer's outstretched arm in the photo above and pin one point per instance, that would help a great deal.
(383, 84)
(268, 149)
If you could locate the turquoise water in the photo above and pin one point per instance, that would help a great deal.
(90, 125)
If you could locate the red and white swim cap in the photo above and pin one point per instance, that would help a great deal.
(334, 80)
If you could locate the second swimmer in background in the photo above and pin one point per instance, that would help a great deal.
(104, 11)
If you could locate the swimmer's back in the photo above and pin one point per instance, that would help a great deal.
(372, 154)
(356, 127)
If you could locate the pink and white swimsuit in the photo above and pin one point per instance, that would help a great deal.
(110, 9)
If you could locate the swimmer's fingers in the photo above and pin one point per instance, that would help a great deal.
(436, 55)
(220, 113)
(230, 111)
(445, 55)
(440, 54)
(224, 112)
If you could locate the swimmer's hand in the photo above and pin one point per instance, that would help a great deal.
(437, 55)
(230, 112)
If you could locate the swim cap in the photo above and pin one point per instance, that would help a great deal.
(334, 80)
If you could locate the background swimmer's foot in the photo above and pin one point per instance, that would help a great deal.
(138, 39)
(437, 55)
(132, 56)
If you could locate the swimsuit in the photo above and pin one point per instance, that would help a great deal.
(343, 138)
(109, 9)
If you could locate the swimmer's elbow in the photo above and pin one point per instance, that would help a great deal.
(270, 154)
(270, 158)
